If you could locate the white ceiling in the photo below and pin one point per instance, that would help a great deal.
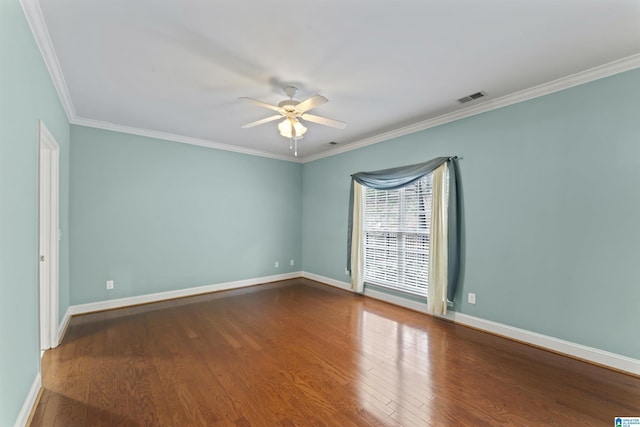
(177, 67)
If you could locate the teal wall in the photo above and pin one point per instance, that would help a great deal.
(155, 216)
(26, 95)
(551, 208)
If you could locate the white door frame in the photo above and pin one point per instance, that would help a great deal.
(49, 157)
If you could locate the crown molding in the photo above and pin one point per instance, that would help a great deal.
(179, 138)
(39, 29)
(606, 70)
(33, 13)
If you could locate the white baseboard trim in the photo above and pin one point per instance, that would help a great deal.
(578, 351)
(29, 402)
(327, 281)
(62, 328)
(403, 302)
(180, 293)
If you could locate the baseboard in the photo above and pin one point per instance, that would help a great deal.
(327, 281)
(372, 293)
(180, 293)
(29, 402)
(577, 351)
(62, 327)
(396, 300)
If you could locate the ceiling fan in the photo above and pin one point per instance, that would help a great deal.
(291, 111)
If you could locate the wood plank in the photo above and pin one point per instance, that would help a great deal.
(297, 353)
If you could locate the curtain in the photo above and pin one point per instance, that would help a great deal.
(390, 179)
(454, 224)
(357, 243)
(438, 253)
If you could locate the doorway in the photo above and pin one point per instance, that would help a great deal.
(48, 237)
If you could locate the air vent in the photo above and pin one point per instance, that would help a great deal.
(471, 97)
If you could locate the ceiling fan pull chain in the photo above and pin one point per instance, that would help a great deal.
(295, 141)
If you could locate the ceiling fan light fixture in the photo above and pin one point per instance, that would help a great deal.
(290, 128)
(299, 128)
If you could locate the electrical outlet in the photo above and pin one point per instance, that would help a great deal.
(109, 285)
(472, 298)
(276, 264)
(291, 262)
(346, 271)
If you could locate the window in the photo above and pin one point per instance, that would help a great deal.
(396, 237)
(407, 240)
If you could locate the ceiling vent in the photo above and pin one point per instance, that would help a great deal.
(472, 97)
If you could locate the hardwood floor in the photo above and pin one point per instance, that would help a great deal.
(297, 353)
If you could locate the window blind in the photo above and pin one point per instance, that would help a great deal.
(396, 237)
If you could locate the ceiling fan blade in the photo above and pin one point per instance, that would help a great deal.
(313, 102)
(324, 121)
(261, 121)
(262, 104)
